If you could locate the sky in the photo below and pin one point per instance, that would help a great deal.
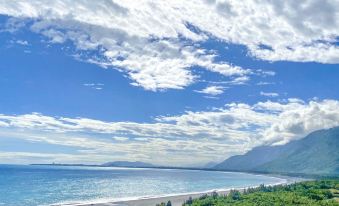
(175, 83)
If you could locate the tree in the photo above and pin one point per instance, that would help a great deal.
(234, 195)
(214, 194)
(189, 201)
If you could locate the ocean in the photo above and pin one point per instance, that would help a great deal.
(22, 185)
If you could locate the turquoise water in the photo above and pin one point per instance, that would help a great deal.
(46, 185)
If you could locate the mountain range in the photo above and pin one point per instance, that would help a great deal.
(315, 154)
(126, 164)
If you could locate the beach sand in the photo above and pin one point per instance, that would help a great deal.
(177, 200)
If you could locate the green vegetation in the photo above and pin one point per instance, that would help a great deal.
(321, 192)
(164, 204)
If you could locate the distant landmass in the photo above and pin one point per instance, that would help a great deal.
(65, 164)
(126, 164)
(107, 164)
(316, 154)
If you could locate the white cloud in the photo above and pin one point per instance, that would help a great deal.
(122, 139)
(136, 38)
(261, 83)
(157, 42)
(297, 120)
(97, 86)
(240, 80)
(265, 72)
(3, 124)
(22, 42)
(172, 140)
(269, 94)
(212, 90)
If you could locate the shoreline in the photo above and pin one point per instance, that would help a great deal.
(178, 199)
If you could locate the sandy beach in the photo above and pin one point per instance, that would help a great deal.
(177, 200)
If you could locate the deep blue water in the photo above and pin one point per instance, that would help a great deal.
(46, 185)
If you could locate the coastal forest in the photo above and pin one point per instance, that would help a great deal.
(309, 193)
(325, 192)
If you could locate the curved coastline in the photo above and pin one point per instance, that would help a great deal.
(177, 198)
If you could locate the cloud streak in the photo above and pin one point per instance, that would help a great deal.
(269, 94)
(172, 140)
(212, 90)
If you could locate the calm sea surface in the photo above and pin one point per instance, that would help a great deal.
(46, 185)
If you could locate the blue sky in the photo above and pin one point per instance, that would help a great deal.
(77, 90)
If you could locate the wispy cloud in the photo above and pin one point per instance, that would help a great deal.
(269, 94)
(165, 47)
(212, 90)
(121, 139)
(240, 80)
(207, 135)
(22, 42)
(261, 83)
(97, 86)
(265, 73)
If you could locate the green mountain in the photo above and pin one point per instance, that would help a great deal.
(317, 153)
